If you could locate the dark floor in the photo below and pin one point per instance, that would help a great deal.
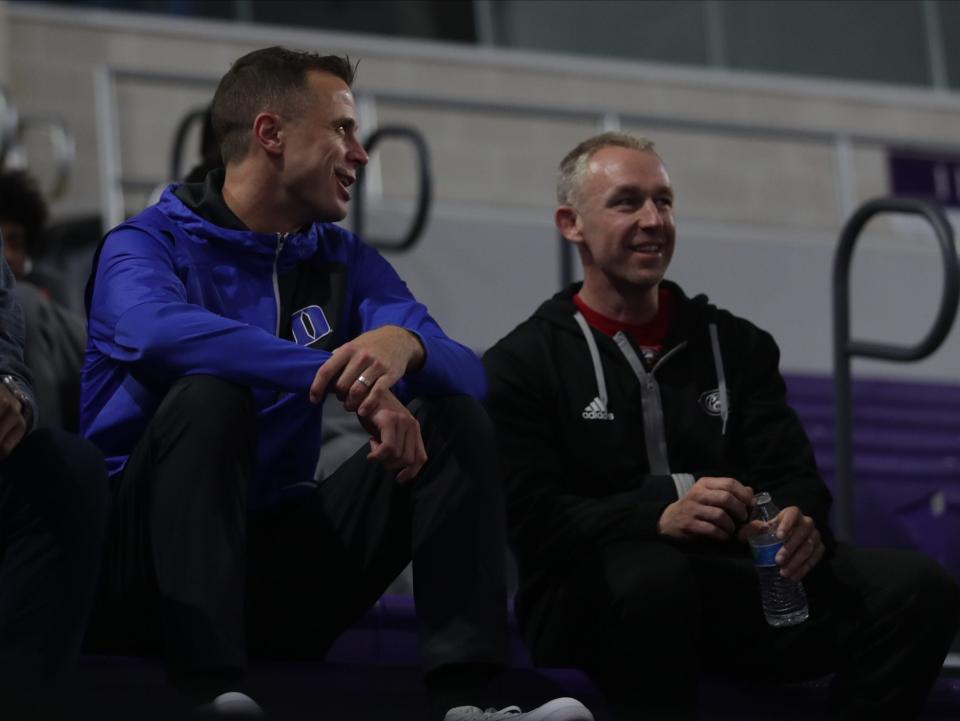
(115, 689)
(372, 674)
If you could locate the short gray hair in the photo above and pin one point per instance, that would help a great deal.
(574, 164)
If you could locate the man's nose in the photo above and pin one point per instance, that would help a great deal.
(358, 153)
(649, 215)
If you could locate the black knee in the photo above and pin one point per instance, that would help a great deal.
(215, 405)
(62, 497)
(933, 596)
(631, 593)
(201, 441)
(63, 474)
(457, 424)
(461, 483)
(632, 597)
(459, 439)
(653, 589)
(455, 418)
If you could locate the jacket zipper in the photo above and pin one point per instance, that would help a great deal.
(281, 239)
(653, 426)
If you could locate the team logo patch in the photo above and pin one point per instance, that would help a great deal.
(596, 410)
(711, 402)
(309, 325)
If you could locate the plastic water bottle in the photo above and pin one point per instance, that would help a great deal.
(784, 601)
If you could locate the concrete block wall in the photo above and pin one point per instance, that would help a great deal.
(761, 196)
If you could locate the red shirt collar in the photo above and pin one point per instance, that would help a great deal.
(651, 334)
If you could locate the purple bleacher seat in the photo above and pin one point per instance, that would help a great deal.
(906, 459)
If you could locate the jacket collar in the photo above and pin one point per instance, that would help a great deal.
(199, 209)
(688, 312)
(206, 200)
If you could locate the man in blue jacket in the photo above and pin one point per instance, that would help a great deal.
(219, 319)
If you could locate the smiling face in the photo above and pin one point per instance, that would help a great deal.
(322, 153)
(621, 219)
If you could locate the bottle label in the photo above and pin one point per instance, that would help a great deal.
(766, 555)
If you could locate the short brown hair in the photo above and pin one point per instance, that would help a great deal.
(574, 163)
(269, 78)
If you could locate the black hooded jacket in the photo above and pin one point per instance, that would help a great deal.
(595, 451)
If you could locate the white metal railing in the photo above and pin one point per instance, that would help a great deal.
(114, 181)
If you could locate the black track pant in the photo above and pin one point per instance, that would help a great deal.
(53, 511)
(189, 568)
(648, 619)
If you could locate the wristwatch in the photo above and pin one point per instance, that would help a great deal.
(12, 385)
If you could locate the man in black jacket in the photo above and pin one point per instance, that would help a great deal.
(55, 332)
(636, 424)
(53, 508)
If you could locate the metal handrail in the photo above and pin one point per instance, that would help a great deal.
(113, 182)
(844, 347)
(424, 189)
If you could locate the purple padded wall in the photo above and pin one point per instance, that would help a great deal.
(906, 458)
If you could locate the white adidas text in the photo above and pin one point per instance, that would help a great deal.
(596, 410)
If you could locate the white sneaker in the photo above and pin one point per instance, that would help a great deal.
(560, 709)
(230, 705)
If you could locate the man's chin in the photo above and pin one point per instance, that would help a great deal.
(332, 215)
(634, 284)
(646, 280)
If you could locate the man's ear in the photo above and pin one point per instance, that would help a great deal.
(268, 132)
(567, 220)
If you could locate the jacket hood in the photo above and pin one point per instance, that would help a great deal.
(296, 245)
(287, 250)
(559, 310)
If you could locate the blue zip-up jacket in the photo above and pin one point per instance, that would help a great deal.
(173, 294)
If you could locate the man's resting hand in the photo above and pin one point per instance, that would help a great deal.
(711, 509)
(381, 357)
(395, 440)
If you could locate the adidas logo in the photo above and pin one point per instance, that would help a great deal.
(597, 411)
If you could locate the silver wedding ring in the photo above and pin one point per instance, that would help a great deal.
(367, 383)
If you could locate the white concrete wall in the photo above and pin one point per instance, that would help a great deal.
(759, 209)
